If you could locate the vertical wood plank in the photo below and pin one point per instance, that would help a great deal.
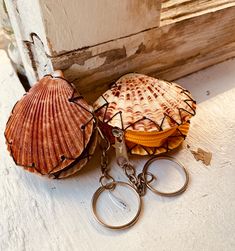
(30, 36)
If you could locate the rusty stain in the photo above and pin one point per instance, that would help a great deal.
(202, 155)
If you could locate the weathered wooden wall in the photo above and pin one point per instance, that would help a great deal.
(168, 52)
(97, 41)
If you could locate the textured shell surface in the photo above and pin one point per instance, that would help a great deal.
(141, 103)
(50, 128)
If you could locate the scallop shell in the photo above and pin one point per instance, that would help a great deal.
(50, 129)
(141, 106)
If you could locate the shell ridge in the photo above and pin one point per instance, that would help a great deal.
(14, 120)
(48, 147)
(47, 162)
(63, 157)
(81, 110)
(39, 133)
(56, 146)
(34, 131)
(86, 124)
(27, 114)
(170, 96)
(62, 147)
(172, 109)
(63, 123)
(82, 113)
(27, 139)
(68, 114)
(77, 110)
(150, 97)
(72, 127)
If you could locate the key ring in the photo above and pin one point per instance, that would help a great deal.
(167, 194)
(102, 189)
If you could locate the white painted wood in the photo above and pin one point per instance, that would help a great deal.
(74, 24)
(19, 36)
(41, 214)
(25, 17)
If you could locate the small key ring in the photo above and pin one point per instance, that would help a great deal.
(167, 194)
(109, 184)
(99, 220)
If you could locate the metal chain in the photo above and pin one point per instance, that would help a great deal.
(139, 182)
(106, 180)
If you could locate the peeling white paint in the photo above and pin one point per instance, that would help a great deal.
(74, 24)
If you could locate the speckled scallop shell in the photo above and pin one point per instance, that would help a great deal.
(145, 107)
(51, 129)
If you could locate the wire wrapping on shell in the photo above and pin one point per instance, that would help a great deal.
(146, 108)
(51, 129)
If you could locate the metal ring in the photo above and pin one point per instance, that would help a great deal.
(170, 194)
(153, 177)
(98, 219)
(107, 185)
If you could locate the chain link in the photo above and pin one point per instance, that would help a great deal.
(139, 182)
(106, 180)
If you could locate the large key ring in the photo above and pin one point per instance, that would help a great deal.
(102, 189)
(167, 194)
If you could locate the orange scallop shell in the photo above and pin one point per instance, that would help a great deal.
(146, 109)
(50, 129)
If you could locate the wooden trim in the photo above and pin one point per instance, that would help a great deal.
(178, 10)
